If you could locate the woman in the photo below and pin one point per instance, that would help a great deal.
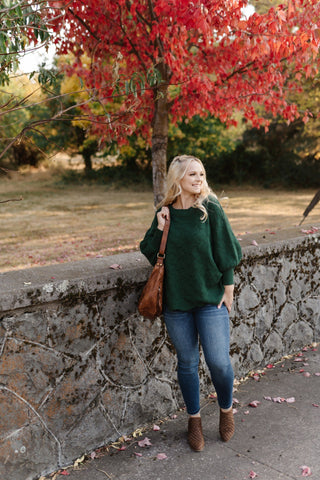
(201, 254)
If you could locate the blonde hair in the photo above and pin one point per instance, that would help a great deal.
(176, 172)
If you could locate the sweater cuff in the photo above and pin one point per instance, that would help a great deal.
(227, 277)
(155, 241)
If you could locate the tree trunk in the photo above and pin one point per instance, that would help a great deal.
(87, 161)
(160, 142)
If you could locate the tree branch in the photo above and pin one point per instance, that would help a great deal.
(12, 200)
(84, 24)
(135, 51)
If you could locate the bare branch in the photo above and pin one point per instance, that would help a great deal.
(11, 200)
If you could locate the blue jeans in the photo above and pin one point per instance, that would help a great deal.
(211, 325)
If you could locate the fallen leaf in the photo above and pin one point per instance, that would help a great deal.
(155, 428)
(307, 374)
(246, 412)
(235, 400)
(254, 243)
(253, 474)
(256, 377)
(270, 365)
(234, 411)
(145, 442)
(317, 374)
(278, 399)
(137, 432)
(115, 266)
(298, 360)
(268, 398)
(93, 455)
(123, 447)
(254, 404)
(138, 454)
(315, 405)
(161, 456)
(290, 400)
(64, 472)
(80, 460)
(306, 471)
(311, 230)
(174, 417)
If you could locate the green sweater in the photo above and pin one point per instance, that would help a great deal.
(200, 256)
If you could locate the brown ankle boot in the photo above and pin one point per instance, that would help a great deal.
(195, 436)
(226, 425)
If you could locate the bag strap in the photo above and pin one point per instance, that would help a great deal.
(164, 237)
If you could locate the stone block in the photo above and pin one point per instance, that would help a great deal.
(74, 330)
(297, 336)
(241, 337)
(279, 295)
(94, 427)
(288, 316)
(263, 319)
(28, 451)
(31, 369)
(273, 348)
(30, 326)
(157, 399)
(264, 277)
(71, 398)
(255, 354)
(120, 360)
(248, 299)
(294, 291)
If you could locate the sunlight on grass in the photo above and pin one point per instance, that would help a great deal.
(55, 225)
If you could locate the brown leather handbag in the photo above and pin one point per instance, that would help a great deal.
(150, 302)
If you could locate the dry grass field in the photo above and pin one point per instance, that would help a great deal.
(54, 224)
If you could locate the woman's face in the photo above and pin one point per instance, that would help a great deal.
(192, 180)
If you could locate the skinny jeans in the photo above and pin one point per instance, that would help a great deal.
(210, 324)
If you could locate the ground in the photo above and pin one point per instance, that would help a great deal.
(54, 223)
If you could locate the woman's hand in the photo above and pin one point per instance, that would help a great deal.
(162, 216)
(227, 297)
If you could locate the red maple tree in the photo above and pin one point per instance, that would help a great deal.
(210, 57)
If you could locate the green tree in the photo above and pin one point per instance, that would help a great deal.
(21, 24)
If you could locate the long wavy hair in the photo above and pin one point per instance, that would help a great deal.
(176, 172)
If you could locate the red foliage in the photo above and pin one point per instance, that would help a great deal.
(218, 60)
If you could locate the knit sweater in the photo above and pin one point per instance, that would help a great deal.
(200, 256)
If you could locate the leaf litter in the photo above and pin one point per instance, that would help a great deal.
(306, 471)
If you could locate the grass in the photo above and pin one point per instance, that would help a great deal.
(54, 223)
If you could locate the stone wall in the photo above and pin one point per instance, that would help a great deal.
(79, 367)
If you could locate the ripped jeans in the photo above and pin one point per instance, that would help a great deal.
(211, 325)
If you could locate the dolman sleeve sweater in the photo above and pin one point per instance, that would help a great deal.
(200, 255)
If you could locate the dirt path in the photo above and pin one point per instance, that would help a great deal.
(54, 224)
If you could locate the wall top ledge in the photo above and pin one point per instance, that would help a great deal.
(23, 288)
